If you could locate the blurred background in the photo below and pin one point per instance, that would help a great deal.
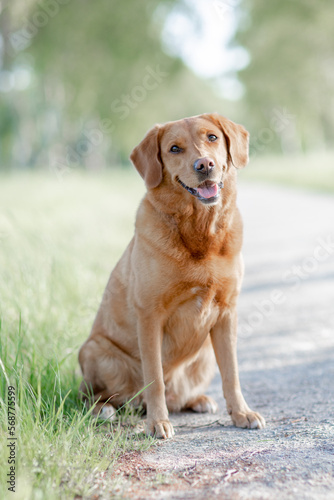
(82, 81)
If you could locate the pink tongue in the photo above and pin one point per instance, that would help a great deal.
(208, 191)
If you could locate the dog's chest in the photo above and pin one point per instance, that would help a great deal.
(190, 322)
(203, 304)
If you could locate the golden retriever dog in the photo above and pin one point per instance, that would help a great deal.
(170, 306)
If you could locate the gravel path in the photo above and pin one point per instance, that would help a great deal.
(286, 359)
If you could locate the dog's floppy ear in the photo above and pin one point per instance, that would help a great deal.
(237, 139)
(146, 158)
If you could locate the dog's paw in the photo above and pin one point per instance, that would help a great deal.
(105, 412)
(161, 429)
(248, 419)
(203, 404)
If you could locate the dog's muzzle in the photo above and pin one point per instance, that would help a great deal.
(208, 192)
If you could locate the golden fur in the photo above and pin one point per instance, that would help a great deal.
(169, 308)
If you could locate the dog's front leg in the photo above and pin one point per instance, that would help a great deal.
(150, 343)
(224, 340)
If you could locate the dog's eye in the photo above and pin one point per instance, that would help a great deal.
(212, 137)
(175, 149)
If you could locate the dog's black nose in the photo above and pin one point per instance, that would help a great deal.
(204, 165)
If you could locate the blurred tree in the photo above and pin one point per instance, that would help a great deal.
(289, 82)
(99, 79)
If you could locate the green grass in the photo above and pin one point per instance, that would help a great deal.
(58, 244)
(313, 172)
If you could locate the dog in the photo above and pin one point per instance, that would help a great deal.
(169, 309)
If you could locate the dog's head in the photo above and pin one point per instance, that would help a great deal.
(193, 154)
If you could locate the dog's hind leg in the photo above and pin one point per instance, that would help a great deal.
(202, 404)
(109, 380)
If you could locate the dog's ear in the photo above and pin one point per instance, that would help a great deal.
(237, 139)
(146, 158)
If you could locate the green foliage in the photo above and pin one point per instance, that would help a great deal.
(100, 80)
(291, 47)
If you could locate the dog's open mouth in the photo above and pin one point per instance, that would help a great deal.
(208, 192)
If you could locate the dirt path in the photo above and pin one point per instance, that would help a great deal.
(286, 357)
